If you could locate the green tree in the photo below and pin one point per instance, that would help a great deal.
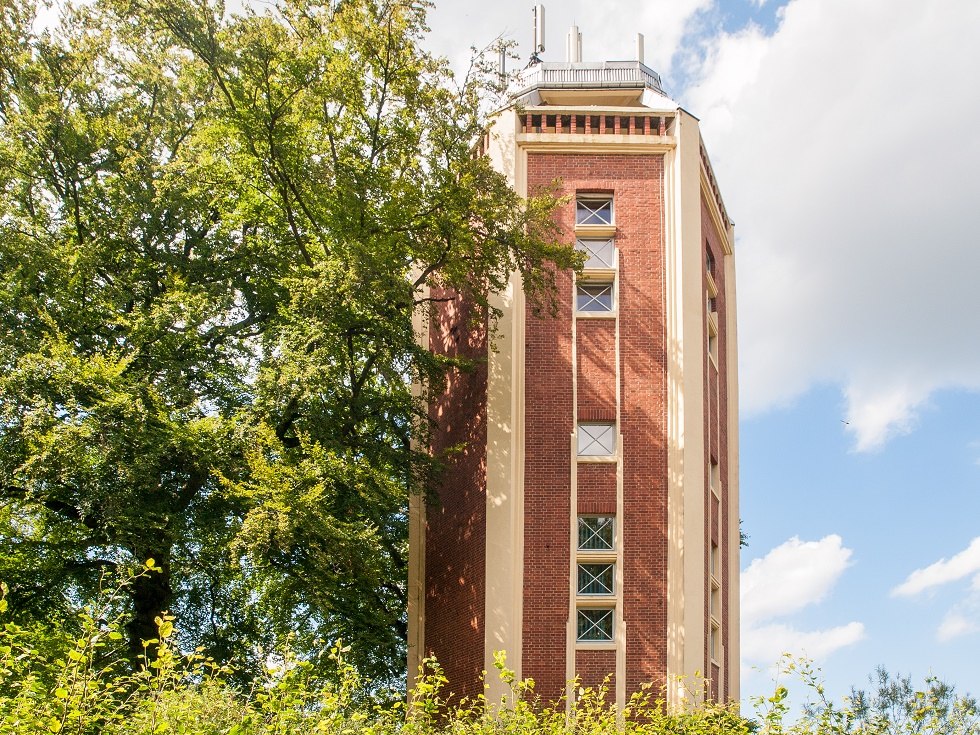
(215, 233)
(891, 705)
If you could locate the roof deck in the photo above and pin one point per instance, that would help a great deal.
(602, 83)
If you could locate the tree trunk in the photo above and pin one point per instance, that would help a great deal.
(151, 595)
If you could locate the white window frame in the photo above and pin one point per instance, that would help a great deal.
(583, 566)
(598, 203)
(583, 285)
(712, 345)
(609, 522)
(610, 447)
(715, 646)
(607, 612)
(601, 264)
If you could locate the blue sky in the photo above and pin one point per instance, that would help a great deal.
(846, 141)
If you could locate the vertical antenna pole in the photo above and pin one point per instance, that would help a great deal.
(538, 30)
(573, 45)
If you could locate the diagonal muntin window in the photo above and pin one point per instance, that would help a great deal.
(594, 297)
(597, 211)
(595, 533)
(600, 253)
(595, 625)
(596, 579)
(596, 440)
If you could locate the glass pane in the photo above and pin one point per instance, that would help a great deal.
(593, 212)
(596, 440)
(600, 253)
(595, 533)
(595, 579)
(594, 297)
(595, 625)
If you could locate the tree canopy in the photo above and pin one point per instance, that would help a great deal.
(215, 232)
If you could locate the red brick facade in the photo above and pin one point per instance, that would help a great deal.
(609, 367)
(636, 185)
(456, 523)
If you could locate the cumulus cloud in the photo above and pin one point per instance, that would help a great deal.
(963, 618)
(769, 642)
(954, 625)
(792, 576)
(847, 150)
(942, 572)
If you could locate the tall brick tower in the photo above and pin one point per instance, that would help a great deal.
(590, 525)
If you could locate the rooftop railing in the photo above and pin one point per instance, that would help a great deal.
(598, 75)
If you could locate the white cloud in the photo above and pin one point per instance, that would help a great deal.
(964, 617)
(954, 625)
(847, 148)
(792, 576)
(879, 413)
(768, 643)
(612, 27)
(942, 572)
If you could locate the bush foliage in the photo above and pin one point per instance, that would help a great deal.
(61, 683)
(67, 683)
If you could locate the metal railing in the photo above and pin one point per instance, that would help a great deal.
(605, 74)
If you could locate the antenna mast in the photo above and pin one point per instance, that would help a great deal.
(538, 34)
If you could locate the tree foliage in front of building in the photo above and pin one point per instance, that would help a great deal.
(215, 234)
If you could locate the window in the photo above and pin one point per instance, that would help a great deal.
(595, 625)
(714, 644)
(596, 579)
(709, 260)
(594, 297)
(595, 533)
(600, 253)
(596, 440)
(595, 583)
(594, 211)
(712, 342)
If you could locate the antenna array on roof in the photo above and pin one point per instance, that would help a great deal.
(538, 31)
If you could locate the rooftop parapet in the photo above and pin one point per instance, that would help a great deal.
(588, 75)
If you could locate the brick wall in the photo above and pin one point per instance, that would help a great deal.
(636, 183)
(597, 488)
(456, 521)
(594, 666)
(596, 369)
(547, 495)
